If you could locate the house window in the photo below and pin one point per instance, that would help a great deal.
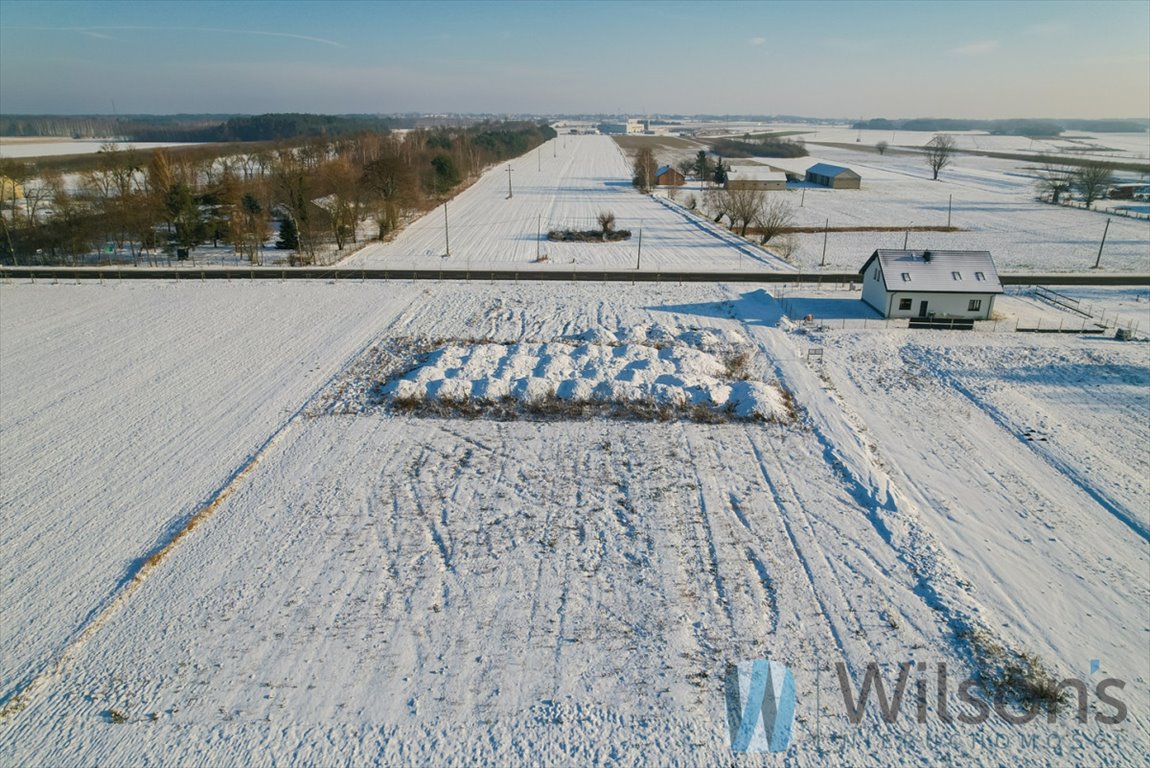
(974, 305)
(956, 275)
(904, 304)
(906, 277)
(979, 276)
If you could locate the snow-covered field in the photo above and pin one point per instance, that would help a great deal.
(367, 587)
(990, 199)
(564, 184)
(572, 178)
(13, 147)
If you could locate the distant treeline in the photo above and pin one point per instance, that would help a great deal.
(1018, 127)
(202, 128)
(320, 188)
(273, 127)
(766, 147)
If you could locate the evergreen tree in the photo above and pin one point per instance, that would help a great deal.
(720, 172)
(701, 164)
(289, 235)
(446, 175)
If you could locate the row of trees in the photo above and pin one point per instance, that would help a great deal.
(768, 214)
(644, 166)
(746, 209)
(1090, 180)
(324, 188)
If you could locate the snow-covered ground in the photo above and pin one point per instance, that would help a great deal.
(15, 147)
(990, 199)
(378, 588)
(563, 185)
(572, 178)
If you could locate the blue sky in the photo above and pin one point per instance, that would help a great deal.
(821, 59)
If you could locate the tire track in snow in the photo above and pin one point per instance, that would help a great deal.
(704, 520)
(785, 507)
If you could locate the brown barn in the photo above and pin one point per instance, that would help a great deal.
(667, 176)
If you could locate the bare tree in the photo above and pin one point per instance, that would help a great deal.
(743, 206)
(295, 187)
(643, 169)
(1092, 180)
(774, 216)
(606, 222)
(1054, 181)
(392, 183)
(939, 152)
(715, 203)
(882, 147)
(340, 178)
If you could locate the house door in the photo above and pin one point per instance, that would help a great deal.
(922, 308)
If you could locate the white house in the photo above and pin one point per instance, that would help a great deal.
(931, 284)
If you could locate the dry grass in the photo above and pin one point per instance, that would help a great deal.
(738, 366)
(674, 144)
(553, 408)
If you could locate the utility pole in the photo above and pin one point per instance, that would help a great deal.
(906, 237)
(539, 159)
(446, 236)
(1099, 259)
(826, 231)
(538, 235)
(949, 204)
(509, 194)
(639, 260)
(803, 198)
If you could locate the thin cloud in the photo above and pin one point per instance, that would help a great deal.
(97, 35)
(98, 32)
(758, 40)
(976, 48)
(1047, 28)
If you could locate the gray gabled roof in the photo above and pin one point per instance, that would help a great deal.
(940, 272)
(754, 173)
(826, 169)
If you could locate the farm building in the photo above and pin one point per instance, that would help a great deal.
(666, 176)
(755, 177)
(833, 176)
(943, 285)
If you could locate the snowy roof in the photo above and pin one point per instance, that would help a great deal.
(826, 169)
(755, 173)
(938, 272)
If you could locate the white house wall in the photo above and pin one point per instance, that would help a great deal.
(943, 305)
(874, 293)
